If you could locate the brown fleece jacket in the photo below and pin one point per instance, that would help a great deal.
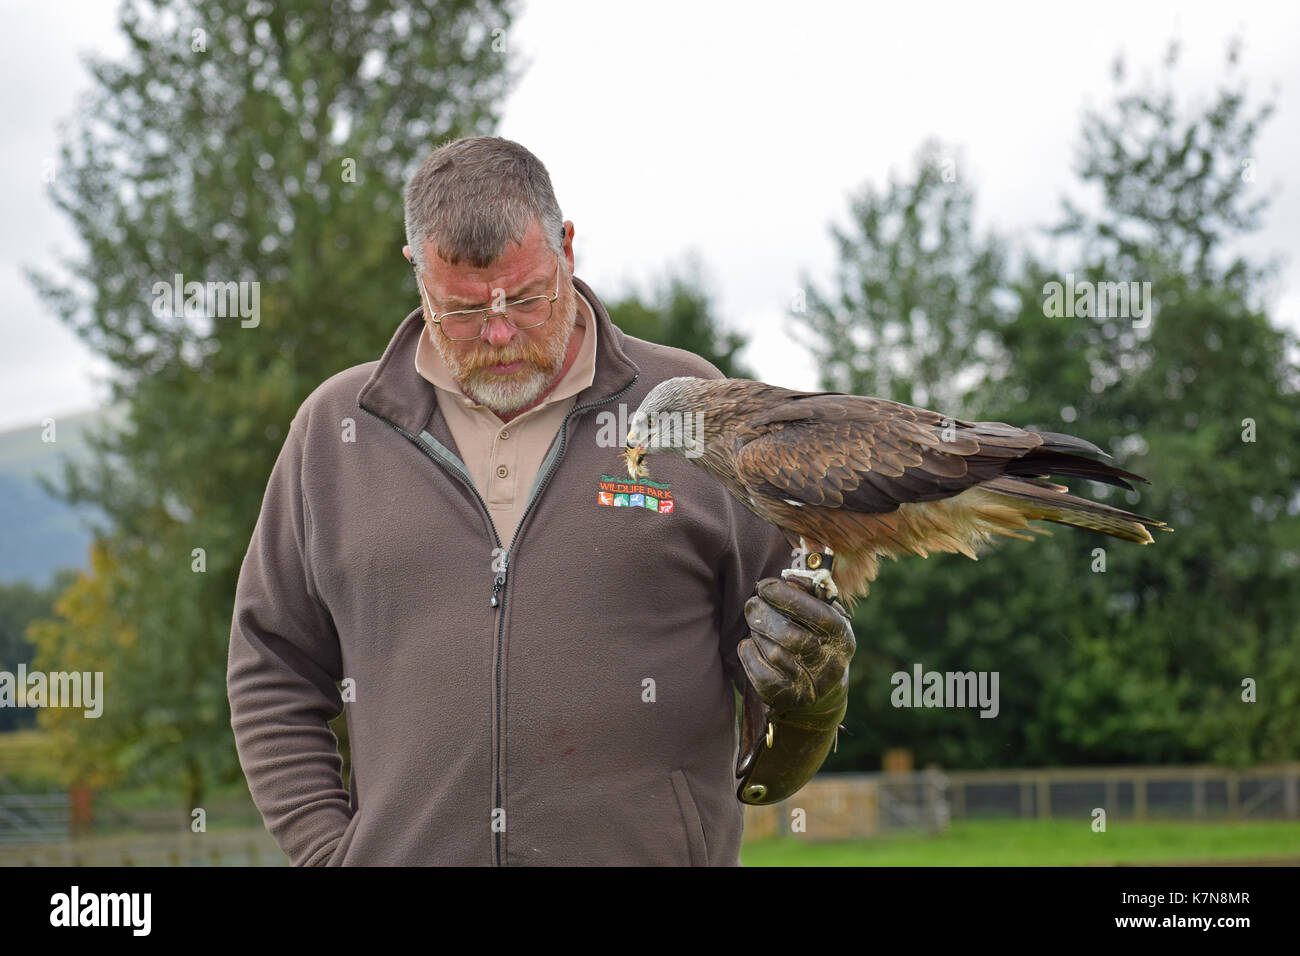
(586, 718)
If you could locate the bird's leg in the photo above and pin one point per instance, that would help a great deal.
(815, 568)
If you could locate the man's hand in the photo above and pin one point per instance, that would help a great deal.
(797, 655)
(797, 660)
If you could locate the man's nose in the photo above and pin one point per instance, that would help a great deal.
(499, 331)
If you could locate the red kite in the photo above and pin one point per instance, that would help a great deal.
(850, 479)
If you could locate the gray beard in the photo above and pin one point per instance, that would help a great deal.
(506, 397)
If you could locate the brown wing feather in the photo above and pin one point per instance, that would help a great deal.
(870, 455)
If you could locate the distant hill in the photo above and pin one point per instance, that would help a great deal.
(38, 533)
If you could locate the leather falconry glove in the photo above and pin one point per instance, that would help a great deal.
(797, 659)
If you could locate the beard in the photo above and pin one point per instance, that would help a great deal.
(470, 362)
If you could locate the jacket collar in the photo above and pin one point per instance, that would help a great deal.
(397, 392)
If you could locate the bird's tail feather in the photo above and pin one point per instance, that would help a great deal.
(1053, 459)
(1055, 441)
(1040, 500)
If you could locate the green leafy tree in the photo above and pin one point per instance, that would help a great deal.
(914, 288)
(89, 633)
(1176, 186)
(1203, 397)
(20, 604)
(1145, 660)
(678, 312)
(240, 142)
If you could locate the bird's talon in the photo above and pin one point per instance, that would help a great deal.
(823, 586)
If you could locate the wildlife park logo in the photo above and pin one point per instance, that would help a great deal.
(647, 494)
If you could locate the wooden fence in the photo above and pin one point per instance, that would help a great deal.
(1133, 793)
(244, 847)
(851, 806)
(829, 807)
(33, 817)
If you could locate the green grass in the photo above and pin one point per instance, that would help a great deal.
(1041, 843)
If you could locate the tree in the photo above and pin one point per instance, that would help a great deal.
(20, 604)
(264, 146)
(1175, 185)
(914, 289)
(1111, 653)
(1206, 396)
(678, 312)
(90, 634)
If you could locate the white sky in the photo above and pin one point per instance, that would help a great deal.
(733, 130)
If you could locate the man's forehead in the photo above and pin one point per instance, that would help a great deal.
(516, 268)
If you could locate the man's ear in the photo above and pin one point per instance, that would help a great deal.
(566, 243)
(406, 251)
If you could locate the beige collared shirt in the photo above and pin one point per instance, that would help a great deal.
(503, 458)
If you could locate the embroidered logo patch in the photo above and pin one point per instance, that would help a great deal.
(646, 494)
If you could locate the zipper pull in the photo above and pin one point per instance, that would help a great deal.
(499, 581)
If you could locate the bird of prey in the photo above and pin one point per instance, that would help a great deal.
(851, 479)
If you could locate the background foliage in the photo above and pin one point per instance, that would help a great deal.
(1145, 661)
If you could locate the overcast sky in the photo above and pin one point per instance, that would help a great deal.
(736, 131)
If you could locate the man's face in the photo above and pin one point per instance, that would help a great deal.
(505, 369)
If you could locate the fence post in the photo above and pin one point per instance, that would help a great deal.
(82, 802)
(1291, 793)
(1233, 781)
(1044, 797)
(936, 802)
(1139, 796)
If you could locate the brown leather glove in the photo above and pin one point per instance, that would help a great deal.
(797, 660)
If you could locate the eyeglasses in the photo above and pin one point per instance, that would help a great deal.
(464, 325)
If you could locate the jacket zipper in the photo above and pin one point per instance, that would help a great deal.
(498, 583)
(546, 480)
(499, 578)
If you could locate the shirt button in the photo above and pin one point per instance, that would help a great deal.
(502, 471)
(505, 433)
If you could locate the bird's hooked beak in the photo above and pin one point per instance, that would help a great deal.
(635, 455)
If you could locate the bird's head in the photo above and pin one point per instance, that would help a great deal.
(669, 419)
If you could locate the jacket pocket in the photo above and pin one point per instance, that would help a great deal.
(695, 843)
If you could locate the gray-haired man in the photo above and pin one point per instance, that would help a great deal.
(536, 657)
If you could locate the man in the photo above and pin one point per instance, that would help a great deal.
(533, 673)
